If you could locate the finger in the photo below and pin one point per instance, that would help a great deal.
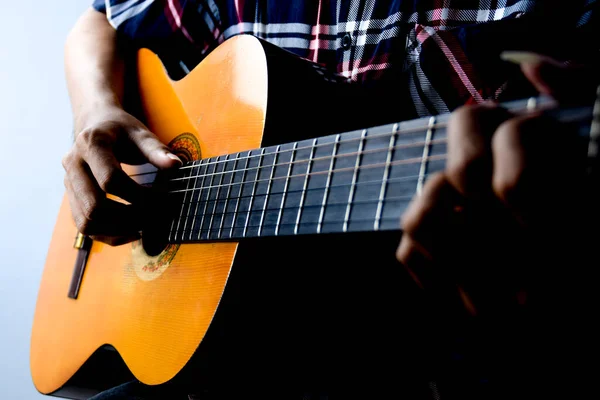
(115, 219)
(78, 217)
(97, 151)
(103, 216)
(157, 153)
(523, 177)
(431, 216)
(414, 259)
(85, 195)
(437, 281)
(469, 162)
(566, 82)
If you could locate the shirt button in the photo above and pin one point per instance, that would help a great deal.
(346, 41)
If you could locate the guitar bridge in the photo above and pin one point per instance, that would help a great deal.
(83, 244)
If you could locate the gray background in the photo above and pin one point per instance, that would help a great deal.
(35, 132)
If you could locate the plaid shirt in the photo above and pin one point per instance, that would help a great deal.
(444, 51)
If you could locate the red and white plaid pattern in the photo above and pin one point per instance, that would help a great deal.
(444, 53)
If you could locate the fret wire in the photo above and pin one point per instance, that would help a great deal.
(326, 191)
(262, 215)
(362, 220)
(342, 203)
(227, 195)
(262, 152)
(218, 191)
(354, 177)
(181, 211)
(287, 181)
(303, 195)
(209, 187)
(384, 182)
(392, 180)
(237, 203)
(424, 161)
(350, 154)
(200, 165)
(406, 161)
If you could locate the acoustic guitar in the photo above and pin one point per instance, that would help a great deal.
(277, 148)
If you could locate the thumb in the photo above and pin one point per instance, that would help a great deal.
(156, 152)
(564, 81)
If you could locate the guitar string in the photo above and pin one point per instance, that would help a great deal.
(282, 209)
(420, 129)
(225, 213)
(524, 106)
(217, 162)
(383, 135)
(440, 141)
(365, 183)
(217, 231)
(406, 161)
(234, 225)
(295, 162)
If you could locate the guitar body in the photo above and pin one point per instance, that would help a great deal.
(212, 310)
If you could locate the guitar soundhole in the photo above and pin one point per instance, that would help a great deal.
(153, 245)
(155, 236)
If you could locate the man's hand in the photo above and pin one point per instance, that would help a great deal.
(487, 229)
(109, 137)
(105, 135)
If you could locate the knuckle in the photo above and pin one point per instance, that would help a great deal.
(462, 113)
(511, 129)
(107, 181)
(465, 113)
(67, 160)
(146, 139)
(84, 136)
(510, 138)
(95, 137)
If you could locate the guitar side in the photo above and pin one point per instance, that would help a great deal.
(154, 311)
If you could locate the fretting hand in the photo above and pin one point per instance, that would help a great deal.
(484, 230)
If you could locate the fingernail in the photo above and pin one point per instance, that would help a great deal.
(174, 157)
(522, 57)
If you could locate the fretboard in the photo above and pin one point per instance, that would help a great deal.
(355, 181)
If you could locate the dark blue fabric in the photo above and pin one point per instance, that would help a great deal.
(137, 391)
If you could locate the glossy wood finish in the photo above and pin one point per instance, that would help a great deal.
(155, 324)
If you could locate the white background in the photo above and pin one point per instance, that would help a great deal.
(35, 132)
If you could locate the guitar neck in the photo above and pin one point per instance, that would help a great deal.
(355, 181)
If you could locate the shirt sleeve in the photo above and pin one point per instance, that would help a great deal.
(180, 32)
